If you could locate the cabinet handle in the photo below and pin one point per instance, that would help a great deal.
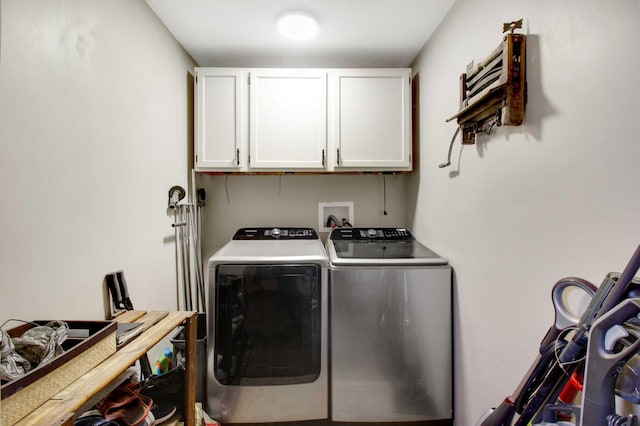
(237, 156)
(323, 158)
(338, 156)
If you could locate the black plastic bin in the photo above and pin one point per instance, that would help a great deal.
(179, 341)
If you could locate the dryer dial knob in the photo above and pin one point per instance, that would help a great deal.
(372, 233)
(276, 232)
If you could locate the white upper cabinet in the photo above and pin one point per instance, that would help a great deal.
(219, 123)
(313, 120)
(372, 119)
(287, 119)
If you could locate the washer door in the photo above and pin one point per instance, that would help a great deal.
(267, 324)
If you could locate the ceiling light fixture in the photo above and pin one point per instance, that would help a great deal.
(298, 26)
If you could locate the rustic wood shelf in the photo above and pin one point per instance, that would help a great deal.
(94, 385)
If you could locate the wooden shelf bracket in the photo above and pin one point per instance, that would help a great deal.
(494, 92)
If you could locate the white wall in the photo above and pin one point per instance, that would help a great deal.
(95, 127)
(292, 200)
(95, 109)
(528, 205)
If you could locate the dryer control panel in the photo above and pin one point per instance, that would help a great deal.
(389, 234)
(276, 234)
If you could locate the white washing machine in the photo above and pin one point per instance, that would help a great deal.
(390, 327)
(267, 327)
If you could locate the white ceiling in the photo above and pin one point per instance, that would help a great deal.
(353, 33)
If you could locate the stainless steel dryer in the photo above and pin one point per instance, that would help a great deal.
(390, 328)
(267, 333)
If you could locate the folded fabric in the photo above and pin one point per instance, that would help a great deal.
(42, 343)
(12, 364)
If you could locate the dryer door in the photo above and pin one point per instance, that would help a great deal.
(267, 324)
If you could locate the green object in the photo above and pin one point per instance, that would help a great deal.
(165, 362)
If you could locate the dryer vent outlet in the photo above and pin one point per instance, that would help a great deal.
(334, 211)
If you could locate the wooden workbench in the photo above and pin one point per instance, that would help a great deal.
(90, 388)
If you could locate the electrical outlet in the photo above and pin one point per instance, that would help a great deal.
(338, 209)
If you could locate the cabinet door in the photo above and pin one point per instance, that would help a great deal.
(372, 119)
(287, 119)
(219, 121)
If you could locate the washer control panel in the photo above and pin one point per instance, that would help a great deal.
(389, 234)
(276, 234)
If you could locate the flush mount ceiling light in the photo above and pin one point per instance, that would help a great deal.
(298, 26)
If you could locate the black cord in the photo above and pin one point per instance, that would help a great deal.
(537, 375)
(18, 320)
(226, 189)
(384, 194)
